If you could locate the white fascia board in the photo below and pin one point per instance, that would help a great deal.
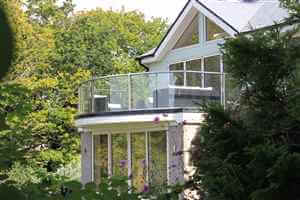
(145, 118)
(173, 35)
(91, 121)
(215, 19)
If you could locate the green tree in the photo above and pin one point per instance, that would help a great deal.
(55, 50)
(107, 42)
(7, 41)
(251, 150)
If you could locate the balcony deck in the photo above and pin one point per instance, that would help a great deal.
(152, 90)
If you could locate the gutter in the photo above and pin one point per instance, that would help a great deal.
(140, 62)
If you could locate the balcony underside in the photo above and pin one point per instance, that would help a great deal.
(138, 120)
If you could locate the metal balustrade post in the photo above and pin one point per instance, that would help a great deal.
(129, 92)
(156, 91)
(79, 107)
(92, 96)
(222, 81)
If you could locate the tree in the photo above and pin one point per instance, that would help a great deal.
(107, 42)
(55, 50)
(251, 150)
(7, 46)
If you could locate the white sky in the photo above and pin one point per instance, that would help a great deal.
(157, 8)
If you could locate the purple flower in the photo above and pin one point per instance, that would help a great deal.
(143, 163)
(123, 163)
(146, 188)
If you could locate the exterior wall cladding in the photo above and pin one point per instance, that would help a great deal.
(86, 157)
(179, 139)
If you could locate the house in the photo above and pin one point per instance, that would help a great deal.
(141, 125)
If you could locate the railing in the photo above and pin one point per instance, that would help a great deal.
(153, 90)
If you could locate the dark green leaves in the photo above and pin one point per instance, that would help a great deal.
(7, 43)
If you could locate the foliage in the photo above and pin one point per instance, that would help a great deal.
(55, 50)
(52, 188)
(7, 43)
(107, 42)
(251, 150)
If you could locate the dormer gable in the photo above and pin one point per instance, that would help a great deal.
(215, 19)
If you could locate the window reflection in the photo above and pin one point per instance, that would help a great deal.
(213, 31)
(177, 78)
(119, 155)
(212, 64)
(194, 79)
(138, 153)
(158, 158)
(190, 36)
(100, 158)
(144, 168)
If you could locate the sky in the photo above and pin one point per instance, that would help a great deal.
(156, 8)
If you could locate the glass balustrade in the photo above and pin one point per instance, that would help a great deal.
(152, 90)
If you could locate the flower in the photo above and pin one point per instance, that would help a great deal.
(156, 120)
(143, 162)
(146, 188)
(123, 163)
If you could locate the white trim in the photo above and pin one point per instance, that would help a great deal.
(129, 158)
(180, 26)
(147, 157)
(126, 119)
(215, 19)
(191, 88)
(168, 157)
(109, 152)
(93, 159)
(121, 124)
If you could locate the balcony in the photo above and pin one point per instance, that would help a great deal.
(152, 90)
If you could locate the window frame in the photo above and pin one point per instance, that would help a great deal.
(129, 153)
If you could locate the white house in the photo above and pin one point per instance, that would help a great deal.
(138, 125)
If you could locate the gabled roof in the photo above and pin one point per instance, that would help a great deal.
(234, 16)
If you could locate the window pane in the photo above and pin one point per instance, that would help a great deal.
(138, 153)
(212, 64)
(213, 31)
(193, 79)
(119, 155)
(158, 158)
(193, 65)
(177, 78)
(190, 36)
(100, 158)
(213, 81)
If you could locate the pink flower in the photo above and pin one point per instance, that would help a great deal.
(156, 120)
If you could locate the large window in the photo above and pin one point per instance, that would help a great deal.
(197, 73)
(139, 160)
(213, 31)
(158, 158)
(119, 155)
(190, 36)
(100, 157)
(144, 158)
